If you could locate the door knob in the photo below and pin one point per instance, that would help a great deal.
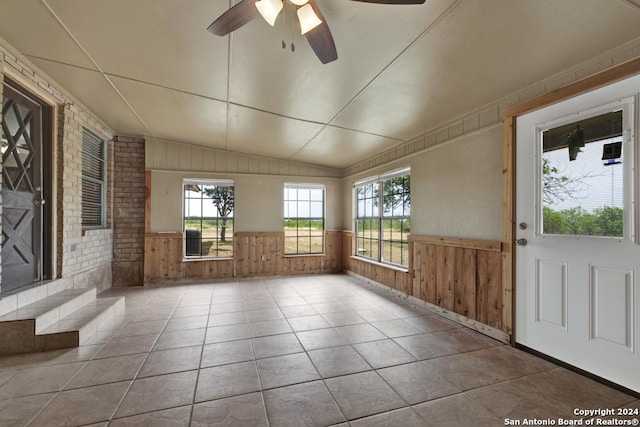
(521, 242)
(39, 202)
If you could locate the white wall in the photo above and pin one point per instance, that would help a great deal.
(456, 187)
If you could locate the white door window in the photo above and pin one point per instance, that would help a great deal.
(578, 257)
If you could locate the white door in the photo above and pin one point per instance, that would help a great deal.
(578, 257)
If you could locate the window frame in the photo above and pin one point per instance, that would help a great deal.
(207, 182)
(286, 218)
(86, 133)
(377, 215)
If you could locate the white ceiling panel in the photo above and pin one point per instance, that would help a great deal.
(164, 42)
(259, 133)
(482, 51)
(48, 40)
(341, 148)
(297, 84)
(401, 70)
(175, 115)
(93, 90)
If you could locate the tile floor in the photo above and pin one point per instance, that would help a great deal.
(296, 351)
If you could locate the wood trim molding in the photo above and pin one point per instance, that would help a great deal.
(483, 245)
(603, 78)
(259, 234)
(147, 201)
(171, 235)
(510, 115)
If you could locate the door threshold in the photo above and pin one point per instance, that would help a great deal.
(577, 370)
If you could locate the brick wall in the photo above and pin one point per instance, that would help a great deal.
(79, 253)
(128, 212)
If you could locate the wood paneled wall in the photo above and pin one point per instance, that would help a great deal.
(256, 254)
(461, 276)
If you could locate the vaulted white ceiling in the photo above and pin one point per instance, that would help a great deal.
(149, 67)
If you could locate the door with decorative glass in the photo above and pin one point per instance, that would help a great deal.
(23, 195)
(577, 256)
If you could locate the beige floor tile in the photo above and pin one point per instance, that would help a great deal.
(307, 404)
(569, 390)
(285, 370)
(227, 381)
(245, 410)
(359, 395)
(170, 361)
(18, 411)
(224, 319)
(444, 343)
(276, 345)
(110, 370)
(147, 327)
(396, 328)
(516, 400)
(185, 323)
(405, 417)
(416, 382)
(199, 310)
(82, 406)
(188, 338)
(127, 345)
(38, 380)
(156, 393)
(431, 323)
(360, 333)
(308, 323)
(226, 352)
(384, 353)
(336, 361)
(321, 338)
(175, 417)
(457, 411)
(298, 311)
(227, 333)
(269, 327)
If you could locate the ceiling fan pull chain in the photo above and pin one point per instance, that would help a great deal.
(284, 26)
(293, 31)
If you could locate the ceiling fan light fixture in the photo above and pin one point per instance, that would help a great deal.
(269, 9)
(299, 2)
(308, 19)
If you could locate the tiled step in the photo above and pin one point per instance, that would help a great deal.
(51, 309)
(53, 318)
(85, 322)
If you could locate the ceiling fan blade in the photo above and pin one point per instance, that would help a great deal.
(234, 18)
(321, 40)
(392, 1)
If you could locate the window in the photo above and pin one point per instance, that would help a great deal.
(208, 218)
(383, 211)
(582, 176)
(303, 219)
(93, 180)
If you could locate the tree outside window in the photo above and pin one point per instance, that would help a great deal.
(208, 218)
(382, 234)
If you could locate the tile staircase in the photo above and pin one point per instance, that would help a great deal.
(52, 316)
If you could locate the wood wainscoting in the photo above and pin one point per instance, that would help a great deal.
(462, 277)
(256, 254)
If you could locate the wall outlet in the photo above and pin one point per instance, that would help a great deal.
(264, 257)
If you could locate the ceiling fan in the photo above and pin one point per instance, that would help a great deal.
(312, 23)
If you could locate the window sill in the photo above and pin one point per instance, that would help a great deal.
(207, 259)
(303, 255)
(95, 231)
(381, 264)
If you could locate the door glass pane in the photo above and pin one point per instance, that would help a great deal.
(582, 177)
